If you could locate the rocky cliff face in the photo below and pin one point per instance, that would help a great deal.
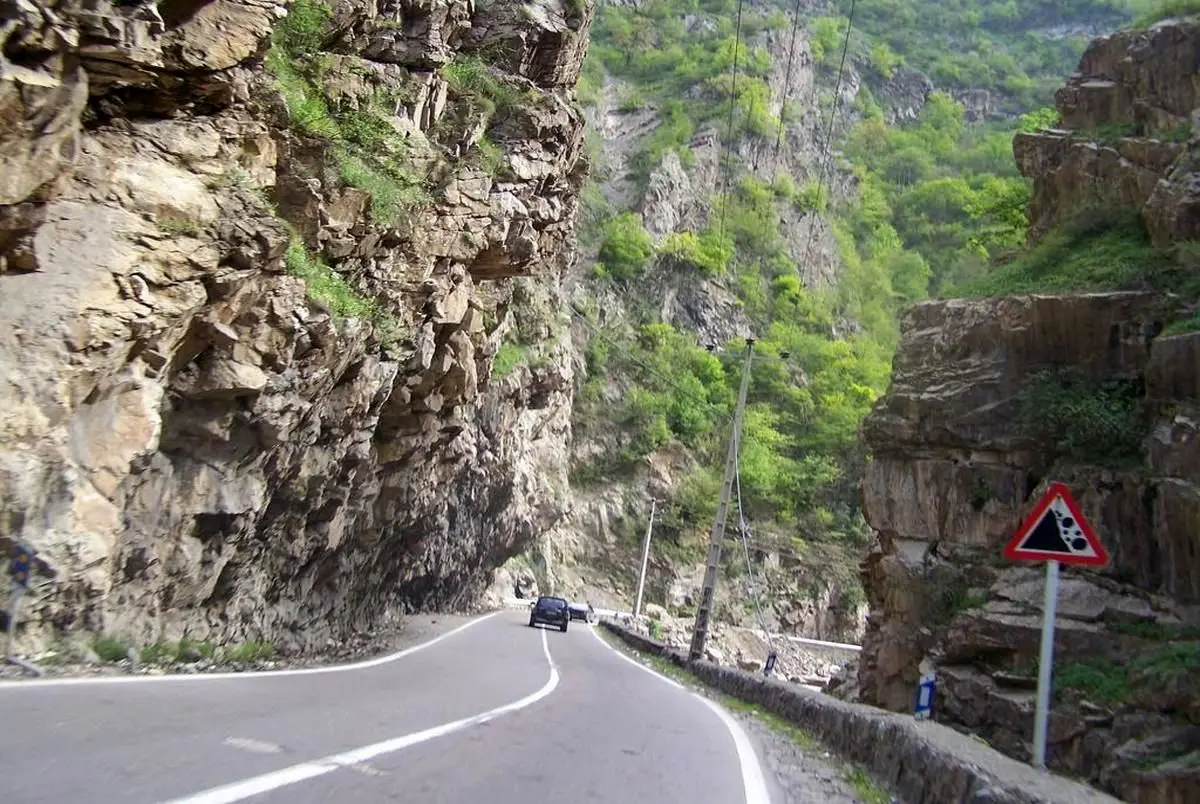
(993, 399)
(1126, 121)
(249, 315)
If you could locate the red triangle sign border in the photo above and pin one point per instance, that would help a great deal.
(1014, 552)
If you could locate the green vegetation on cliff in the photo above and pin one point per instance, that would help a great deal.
(937, 202)
(933, 205)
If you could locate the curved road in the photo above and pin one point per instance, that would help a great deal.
(493, 711)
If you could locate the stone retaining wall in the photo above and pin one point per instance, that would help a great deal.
(922, 761)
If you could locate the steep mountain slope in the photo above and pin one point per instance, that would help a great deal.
(257, 259)
(844, 193)
(1077, 361)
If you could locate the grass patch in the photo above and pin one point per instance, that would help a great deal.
(948, 595)
(331, 290)
(1184, 326)
(1102, 681)
(325, 285)
(369, 151)
(179, 226)
(1098, 251)
(472, 80)
(1112, 683)
(1159, 10)
(1155, 631)
(508, 357)
(191, 650)
(251, 651)
(392, 192)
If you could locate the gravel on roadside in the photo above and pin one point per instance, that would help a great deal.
(809, 774)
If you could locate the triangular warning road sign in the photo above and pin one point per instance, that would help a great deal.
(1056, 531)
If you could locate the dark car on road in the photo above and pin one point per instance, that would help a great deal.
(582, 611)
(550, 611)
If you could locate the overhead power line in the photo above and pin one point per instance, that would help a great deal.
(828, 144)
(727, 145)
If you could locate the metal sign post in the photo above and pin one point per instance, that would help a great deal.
(1056, 533)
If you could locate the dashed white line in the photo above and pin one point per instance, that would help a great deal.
(356, 758)
(307, 671)
(252, 745)
(754, 784)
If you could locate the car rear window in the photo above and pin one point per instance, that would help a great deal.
(551, 603)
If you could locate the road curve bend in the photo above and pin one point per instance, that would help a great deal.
(497, 712)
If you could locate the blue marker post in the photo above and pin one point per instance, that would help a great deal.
(925, 693)
(771, 658)
(18, 571)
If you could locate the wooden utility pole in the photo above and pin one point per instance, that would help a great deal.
(717, 538)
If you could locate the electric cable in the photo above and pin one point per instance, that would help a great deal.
(828, 144)
(725, 163)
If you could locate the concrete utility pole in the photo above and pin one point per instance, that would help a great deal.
(717, 539)
(637, 605)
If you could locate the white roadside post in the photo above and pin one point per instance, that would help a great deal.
(637, 605)
(1056, 533)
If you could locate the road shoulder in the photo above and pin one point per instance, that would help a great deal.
(799, 769)
(412, 630)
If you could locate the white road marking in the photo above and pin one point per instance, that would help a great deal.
(307, 671)
(257, 785)
(754, 784)
(256, 746)
(636, 663)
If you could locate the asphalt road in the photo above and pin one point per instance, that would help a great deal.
(494, 712)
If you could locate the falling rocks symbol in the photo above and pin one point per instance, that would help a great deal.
(1056, 531)
(1047, 537)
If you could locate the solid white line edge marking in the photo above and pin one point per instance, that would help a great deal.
(305, 671)
(753, 782)
(256, 785)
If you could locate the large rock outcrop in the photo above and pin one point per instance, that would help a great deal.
(1126, 135)
(992, 399)
(248, 316)
(960, 454)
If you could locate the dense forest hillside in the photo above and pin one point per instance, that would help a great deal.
(803, 198)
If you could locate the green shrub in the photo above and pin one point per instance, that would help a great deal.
(111, 649)
(626, 247)
(1101, 424)
(508, 357)
(708, 253)
(471, 79)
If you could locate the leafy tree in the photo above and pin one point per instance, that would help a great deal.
(626, 247)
